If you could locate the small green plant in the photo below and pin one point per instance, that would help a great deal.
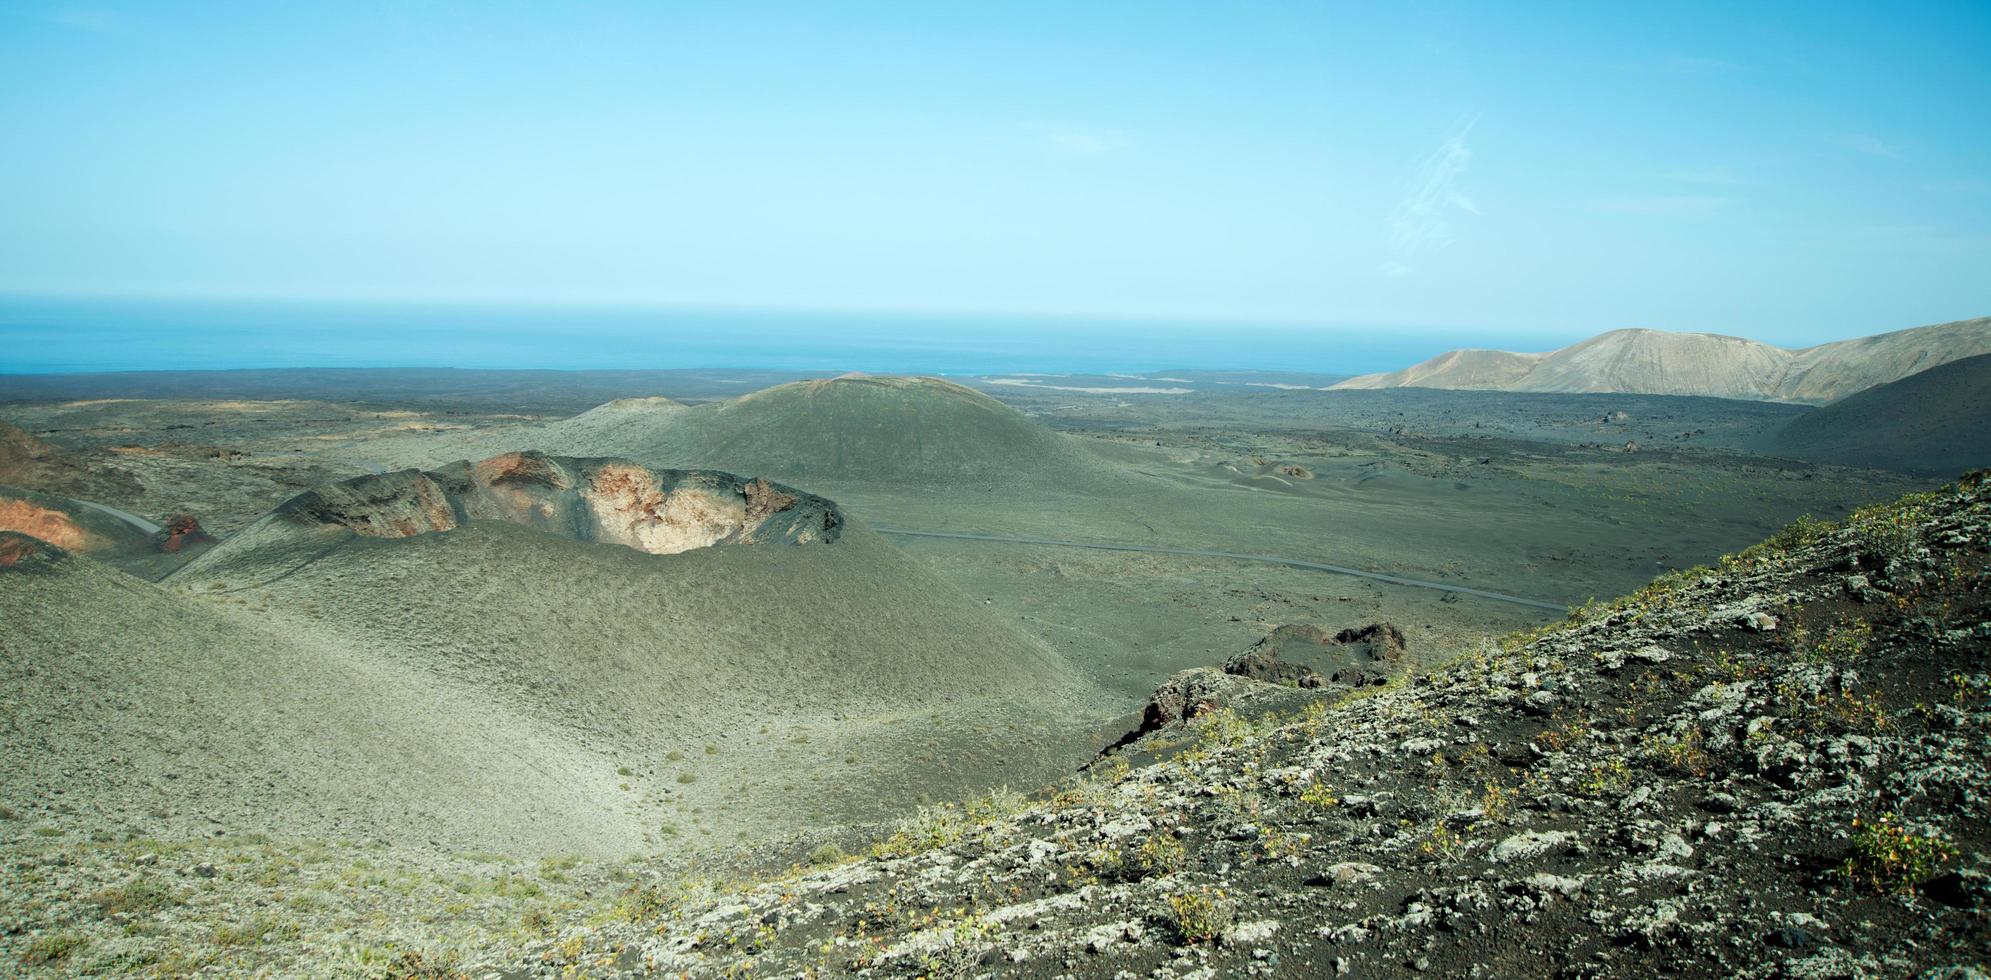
(1159, 855)
(1607, 778)
(1222, 728)
(555, 868)
(136, 897)
(1804, 531)
(256, 930)
(1686, 754)
(53, 948)
(687, 778)
(643, 904)
(825, 854)
(1319, 795)
(1198, 916)
(417, 965)
(1892, 860)
(1887, 537)
(1443, 843)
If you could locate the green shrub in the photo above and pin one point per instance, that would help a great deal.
(1891, 860)
(1198, 916)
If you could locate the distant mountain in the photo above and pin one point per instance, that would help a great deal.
(1937, 421)
(1656, 362)
(1479, 369)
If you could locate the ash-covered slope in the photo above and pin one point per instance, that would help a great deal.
(1836, 370)
(134, 709)
(26, 461)
(1776, 767)
(35, 464)
(1659, 362)
(730, 642)
(1938, 421)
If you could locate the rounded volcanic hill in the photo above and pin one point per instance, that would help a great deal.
(1661, 363)
(734, 645)
(1937, 421)
(901, 431)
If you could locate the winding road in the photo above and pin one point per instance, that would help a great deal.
(1264, 559)
(129, 518)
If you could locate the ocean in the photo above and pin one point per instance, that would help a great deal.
(44, 336)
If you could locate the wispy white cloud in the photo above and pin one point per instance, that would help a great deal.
(1866, 144)
(95, 20)
(1660, 206)
(1088, 141)
(1422, 221)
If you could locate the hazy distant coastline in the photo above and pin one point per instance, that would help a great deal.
(43, 336)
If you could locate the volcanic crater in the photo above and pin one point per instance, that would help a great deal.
(607, 501)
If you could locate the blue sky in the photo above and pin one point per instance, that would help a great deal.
(1796, 173)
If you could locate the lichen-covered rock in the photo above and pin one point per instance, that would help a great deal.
(1656, 787)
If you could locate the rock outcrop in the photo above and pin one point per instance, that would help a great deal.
(181, 533)
(1310, 656)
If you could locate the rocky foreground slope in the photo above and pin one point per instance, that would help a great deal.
(1775, 767)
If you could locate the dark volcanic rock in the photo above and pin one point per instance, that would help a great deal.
(1310, 656)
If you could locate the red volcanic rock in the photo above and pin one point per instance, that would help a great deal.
(16, 548)
(181, 531)
(47, 524)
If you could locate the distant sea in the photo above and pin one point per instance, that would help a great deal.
(43, 336)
